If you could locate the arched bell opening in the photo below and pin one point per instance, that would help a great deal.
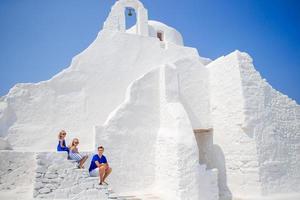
(126, 13)
(130, 18)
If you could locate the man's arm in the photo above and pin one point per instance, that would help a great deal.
(99, 164)
(102, 164)
(106, 163)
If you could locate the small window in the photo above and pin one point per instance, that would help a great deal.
(160, 36)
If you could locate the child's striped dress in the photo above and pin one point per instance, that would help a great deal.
(74, 155)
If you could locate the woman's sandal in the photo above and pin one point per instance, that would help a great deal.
(105, 183)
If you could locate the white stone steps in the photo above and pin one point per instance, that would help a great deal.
(59, 178)
(138, 197)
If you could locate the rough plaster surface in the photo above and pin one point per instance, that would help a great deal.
(135, 149)
(235, 151)
(4, 144)
(16, 175)
(177, 160)
(273, 121)
(141, 99)
(153, 102)
(84, 88)
(59, 178)
(193, 89)
(256, 131)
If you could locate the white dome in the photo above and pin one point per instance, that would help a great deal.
(169, 34)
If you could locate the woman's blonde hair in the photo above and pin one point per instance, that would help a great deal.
(62, 132)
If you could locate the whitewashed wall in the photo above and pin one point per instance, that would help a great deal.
(156, 141)
(193, 85)
(169, 34)
(255, 128)
(81, 96)
(129, 135)
(235, 151)
(256, 132)
(273, 120)
(178, 172)
(17, 172)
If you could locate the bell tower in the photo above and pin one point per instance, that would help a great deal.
(116, 18)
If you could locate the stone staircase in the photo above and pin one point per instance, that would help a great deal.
(56, 177)
(139, 197)
(59, 178)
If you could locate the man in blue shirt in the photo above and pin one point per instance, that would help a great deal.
(99, 166)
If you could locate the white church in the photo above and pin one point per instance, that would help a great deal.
(175, 125)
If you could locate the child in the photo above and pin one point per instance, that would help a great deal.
(61, 142)
(75, 155)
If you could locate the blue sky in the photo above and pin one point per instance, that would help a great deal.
(39, 38)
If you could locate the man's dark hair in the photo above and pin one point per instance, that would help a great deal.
(100, 147)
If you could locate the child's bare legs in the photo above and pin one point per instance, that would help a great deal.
(82, 161)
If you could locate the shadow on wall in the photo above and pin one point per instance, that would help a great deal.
(212, 155)
(194, 119)
(218, 161)
(7, 118)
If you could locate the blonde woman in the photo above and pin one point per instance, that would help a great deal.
(75, 155)
(61, 141)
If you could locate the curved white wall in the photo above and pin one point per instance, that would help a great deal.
(194, 91)
(169, 34)
(80, 97)
(156, 141)
(133, 127)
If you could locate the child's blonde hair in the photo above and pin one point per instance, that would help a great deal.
(73, 142)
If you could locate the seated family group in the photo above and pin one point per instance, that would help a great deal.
(99, 166)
